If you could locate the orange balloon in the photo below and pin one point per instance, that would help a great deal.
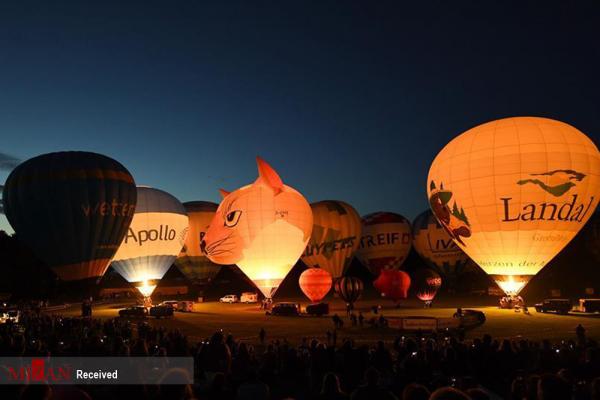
(315, 283)
(513, 192)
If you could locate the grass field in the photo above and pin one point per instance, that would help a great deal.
(244, 321)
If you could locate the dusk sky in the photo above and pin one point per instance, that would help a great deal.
(346, 100)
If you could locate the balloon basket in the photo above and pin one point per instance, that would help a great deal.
(511, 302)
(147, 302)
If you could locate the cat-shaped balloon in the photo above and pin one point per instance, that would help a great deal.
(262, 227)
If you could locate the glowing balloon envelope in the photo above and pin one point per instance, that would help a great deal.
(154, 238)
(436, 247)
(315, 283)
(72, 209)
(393, 284)
(192, 262)
(348, 288)
(513, 192)
(386, 241)
(426, 283)
(335, 236)
(262, 227)
(592, 235)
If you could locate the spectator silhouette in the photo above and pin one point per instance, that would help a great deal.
(253, 389)
(449, 393)
(415, 391)
(595, 389)
(478, 394)
(262, 335)
(372, 390)
(551, 387)
(331, 389)
(175, 392)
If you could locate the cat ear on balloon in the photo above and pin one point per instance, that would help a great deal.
(266, 175)
(223, 193)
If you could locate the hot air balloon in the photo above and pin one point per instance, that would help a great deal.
(349, 289)
(426, 283)
(592, 235)
(393, 284)
(335, 236)
(436, 247)
(154, 238)
(385, 242)
(72, 209)
(513, 192)
(262, 227)
(315, 283)
(191, 261)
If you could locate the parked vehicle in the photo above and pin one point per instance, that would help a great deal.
(174, 304)
(317, 309)
(161, 311)
(230, 298)
(471, 318)
(286, 309)
(185, 306)
(10, 316)
(559, 306)
(589, 305)
(134, 312)
(249, 297)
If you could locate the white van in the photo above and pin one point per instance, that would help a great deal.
(249, 297)
(230, 298)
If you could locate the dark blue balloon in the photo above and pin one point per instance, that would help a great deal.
(72, 209)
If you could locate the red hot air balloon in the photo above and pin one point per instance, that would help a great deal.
(426, 283)
(393, 284)
(315, 283)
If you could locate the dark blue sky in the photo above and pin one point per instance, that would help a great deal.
(347, 100)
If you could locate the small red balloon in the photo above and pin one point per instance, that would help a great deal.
(393, 284)
(315, 283)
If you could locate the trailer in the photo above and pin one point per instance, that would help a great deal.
(589, 305)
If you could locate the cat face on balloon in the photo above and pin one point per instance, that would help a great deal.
(245, 215)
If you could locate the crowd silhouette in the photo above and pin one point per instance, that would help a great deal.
(412, 368)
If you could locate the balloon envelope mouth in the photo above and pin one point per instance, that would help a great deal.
(512, 284)
(146, 287)
(426, 296)
(268, 287)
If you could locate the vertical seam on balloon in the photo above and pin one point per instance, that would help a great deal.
(520, 189)
(106, 228)
(476, 134)
(495, 188)
(544, 248)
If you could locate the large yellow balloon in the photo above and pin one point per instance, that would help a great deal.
(262, 227)
(335, 236)
(513, 192)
